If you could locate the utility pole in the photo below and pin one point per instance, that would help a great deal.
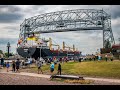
(40, 51)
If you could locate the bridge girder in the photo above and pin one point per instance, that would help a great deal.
(69, 20)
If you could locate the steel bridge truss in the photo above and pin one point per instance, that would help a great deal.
(69, 20)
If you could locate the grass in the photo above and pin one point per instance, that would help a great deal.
(73, 81)
(79, 81)
(110, 69)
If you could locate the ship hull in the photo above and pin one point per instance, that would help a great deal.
(46, 53)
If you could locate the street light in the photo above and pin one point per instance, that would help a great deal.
(8, 46)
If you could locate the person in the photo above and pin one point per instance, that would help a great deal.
(39, 64)
(99, 58)
(80, 59)
(59, 69)
(111, 58)
(52, 67)
(106, 57)
(13, 66)
(17, 65)
(7, 66)
(2, 62)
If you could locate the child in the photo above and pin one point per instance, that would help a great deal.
(7, 66)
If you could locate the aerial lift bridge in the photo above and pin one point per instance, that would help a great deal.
(70, 20)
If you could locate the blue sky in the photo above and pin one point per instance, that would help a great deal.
(11, 16)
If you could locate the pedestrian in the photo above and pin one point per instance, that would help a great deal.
(39, 65)
(99, 58)
(59, 69)
(13, 66)
(17, 65)
(111, 58)
(52, 67)
(94, 58)
(7, 66)
(106, 57)
(2, 62)
(80, 59)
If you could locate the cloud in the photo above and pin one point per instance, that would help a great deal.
(10, 14)
(4, 41)
(115, 11)
(9, 17)
(9, 8)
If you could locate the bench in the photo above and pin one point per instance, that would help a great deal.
(67, 77)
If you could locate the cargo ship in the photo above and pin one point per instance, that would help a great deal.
(33, 46)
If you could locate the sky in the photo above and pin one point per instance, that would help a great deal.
(11, 16)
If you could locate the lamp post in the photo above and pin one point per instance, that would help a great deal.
(8, 48)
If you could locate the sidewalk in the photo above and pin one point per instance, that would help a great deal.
(48, 76)
(28, 74)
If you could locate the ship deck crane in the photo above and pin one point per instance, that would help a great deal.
(50, 44)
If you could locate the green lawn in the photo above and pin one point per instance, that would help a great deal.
(110, 69)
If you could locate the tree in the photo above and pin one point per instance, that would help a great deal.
(1, 52)
(6, 54)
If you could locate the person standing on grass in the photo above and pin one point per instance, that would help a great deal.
(106, 57)
(13, 66)
(111, 58)
(80, 59)
(7, 66)
(39, 64)
(59, 69)
(17, 65)
(52, 67)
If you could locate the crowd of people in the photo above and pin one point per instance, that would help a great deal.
(52, 66)
(16, 64)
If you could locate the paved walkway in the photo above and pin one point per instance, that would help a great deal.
(28, 74)
(48, 76)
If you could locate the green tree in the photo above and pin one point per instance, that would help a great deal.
(6, 54)
(1, 52)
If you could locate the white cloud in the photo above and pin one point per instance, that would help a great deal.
(115, 22)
